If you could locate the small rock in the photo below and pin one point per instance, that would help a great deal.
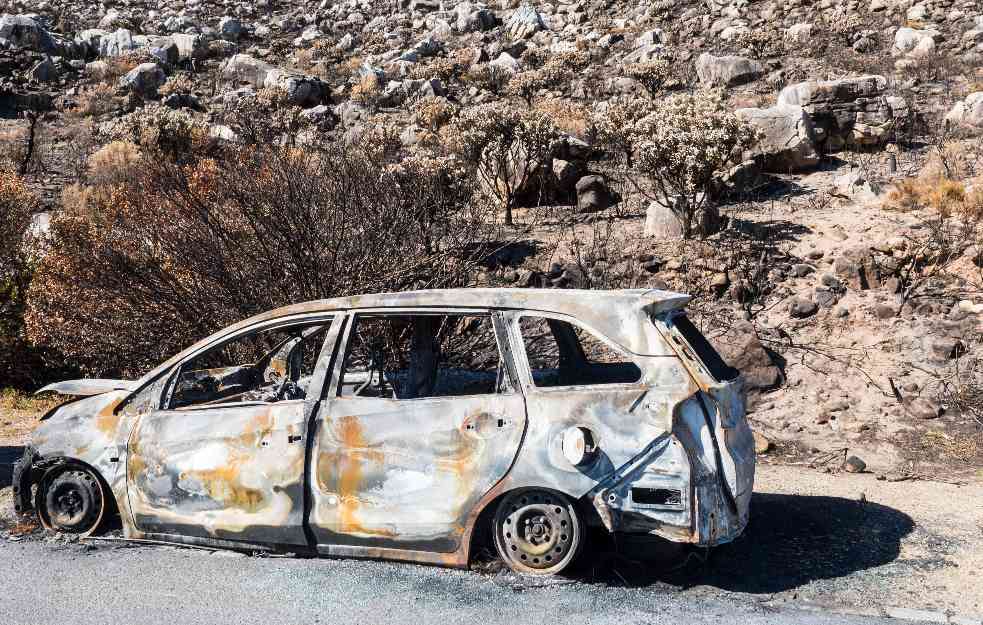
(883, 310)
(853, 464)
(800, 270)
(924, 408)
(761, 444)
(946, 348)
(800, 308)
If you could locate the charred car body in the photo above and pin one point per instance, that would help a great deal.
(399, 425)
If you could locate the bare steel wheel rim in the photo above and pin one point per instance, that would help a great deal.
(72, 502)
(537, 531)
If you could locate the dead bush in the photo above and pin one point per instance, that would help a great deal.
(434, 113)
(570, 117)
(488, 77)
(684, 145)
(180, 248)
(113, 163)
(95, 100)
(368, 91)
(504, 147)
(19, 362)
(653, 75)
(446, 70)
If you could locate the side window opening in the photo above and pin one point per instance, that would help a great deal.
(564, 354)
(406, 356)
(701, 349)
(263, 366)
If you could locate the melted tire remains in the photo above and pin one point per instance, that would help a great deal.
(71, 500)
(538, 531)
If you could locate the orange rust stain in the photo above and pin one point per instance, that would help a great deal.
(258, 429)
(347, 465)
(107, 422)
(223, 484)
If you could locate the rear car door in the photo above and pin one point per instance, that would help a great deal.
(423, 419)
(223, 456)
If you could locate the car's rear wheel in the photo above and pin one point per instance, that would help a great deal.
(71, 499)
(538, 531)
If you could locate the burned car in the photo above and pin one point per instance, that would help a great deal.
(404, 425)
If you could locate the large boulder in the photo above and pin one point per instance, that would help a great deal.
(244, 69)
(727, 71)
(120, 42)
(144, 80)
(524, 23)
(969, 112)
(25, 31)
(848, 111)
(593, 194)
(787, 138)
(741, 348)
(299, 89)
(914, 41)
(189, 46)
(230, 28)
(472, 18)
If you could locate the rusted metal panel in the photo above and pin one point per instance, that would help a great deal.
(405, 474)
(230, 473)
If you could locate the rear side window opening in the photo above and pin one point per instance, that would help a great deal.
(698, 348)
(564, 354)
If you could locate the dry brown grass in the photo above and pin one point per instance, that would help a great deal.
(19, 413)
(94, 100)
(570, 117)
(368, 91)
(936, 191)
(963, 447)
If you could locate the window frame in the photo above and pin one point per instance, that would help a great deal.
(499, 327)
(529, 383)
(329, 319)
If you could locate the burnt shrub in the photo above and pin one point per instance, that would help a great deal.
(19, 361)
(184, 246)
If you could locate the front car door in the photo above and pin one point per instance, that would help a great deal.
(422, 419)
(223, 456)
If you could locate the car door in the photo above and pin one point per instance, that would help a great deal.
(423, 418)
(223, 456)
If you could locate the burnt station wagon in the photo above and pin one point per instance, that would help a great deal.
(403, 425)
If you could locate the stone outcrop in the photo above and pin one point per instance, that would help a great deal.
(847, 112)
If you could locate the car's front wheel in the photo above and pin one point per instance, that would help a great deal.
(70, 499)
(538, 531)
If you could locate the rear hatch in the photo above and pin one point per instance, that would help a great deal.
(722, 386)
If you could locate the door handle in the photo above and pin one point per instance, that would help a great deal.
(293, 438)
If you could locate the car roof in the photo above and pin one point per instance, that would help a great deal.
(614, 313)
(575, 302)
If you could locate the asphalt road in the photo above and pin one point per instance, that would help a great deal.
(51, 583)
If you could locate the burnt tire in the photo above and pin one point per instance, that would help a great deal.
(538, 531)
(71, 500)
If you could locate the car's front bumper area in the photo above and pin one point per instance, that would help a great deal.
(23, 479)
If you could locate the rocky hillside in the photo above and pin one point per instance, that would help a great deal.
(842, 273)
